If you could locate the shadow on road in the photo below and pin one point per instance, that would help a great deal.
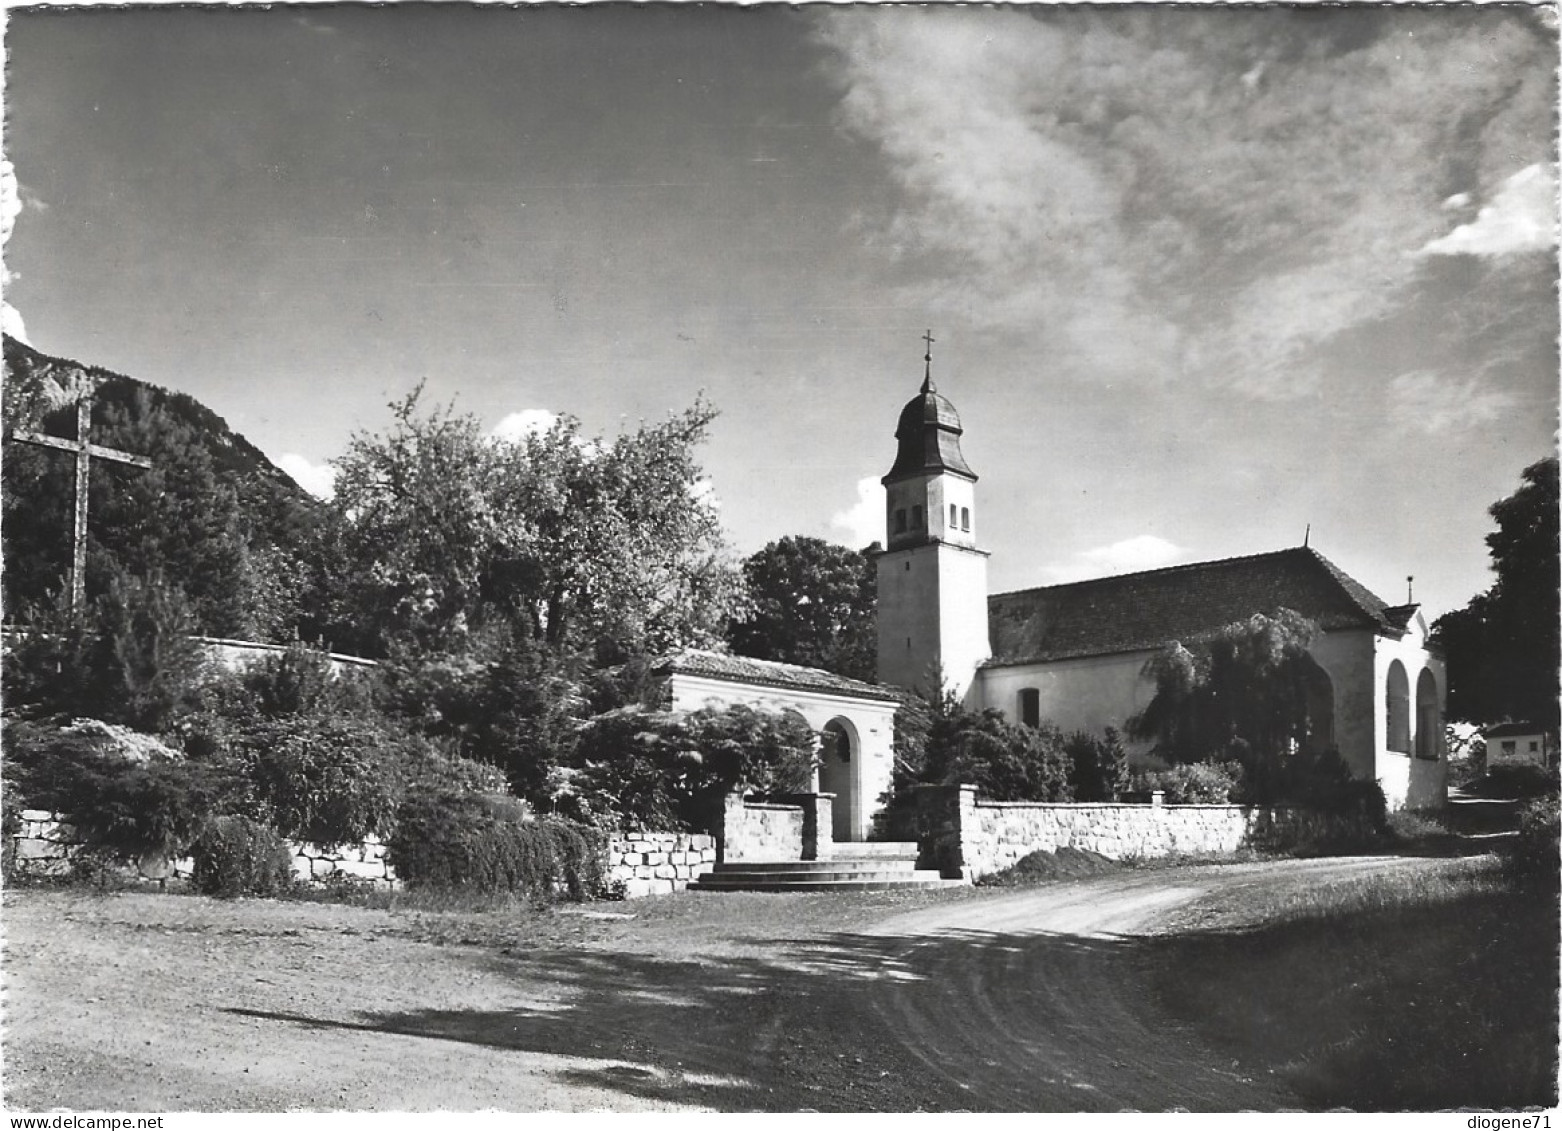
(1300, 1016)
(811, 1029)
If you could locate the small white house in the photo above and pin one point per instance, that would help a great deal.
(1510, 744)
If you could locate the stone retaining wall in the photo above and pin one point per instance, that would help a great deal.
(657, 863)
(642, 863)
(45, 845)
(364, 862)
(962, 836)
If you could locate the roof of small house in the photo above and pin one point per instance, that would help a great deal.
(769, 673)
(1140, 611)
(1512, 730)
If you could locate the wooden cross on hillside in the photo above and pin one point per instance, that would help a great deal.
(85, 452)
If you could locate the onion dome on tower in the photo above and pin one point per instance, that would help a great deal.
(928, 434)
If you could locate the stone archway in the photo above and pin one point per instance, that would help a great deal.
(840, 757)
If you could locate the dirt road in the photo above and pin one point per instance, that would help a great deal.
(973, 1000)
(1045, 1008)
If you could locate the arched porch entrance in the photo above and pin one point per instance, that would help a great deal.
(839, 772)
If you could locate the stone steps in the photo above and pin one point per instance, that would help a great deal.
(875, 850)
(706, 883)
(886, 866)
(828, 864)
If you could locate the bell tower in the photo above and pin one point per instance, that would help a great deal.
(932, 603)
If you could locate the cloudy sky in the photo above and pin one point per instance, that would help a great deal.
(1198, 277)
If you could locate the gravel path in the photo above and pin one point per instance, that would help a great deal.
(971, 1000)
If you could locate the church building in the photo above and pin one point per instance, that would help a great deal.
(1075, 654)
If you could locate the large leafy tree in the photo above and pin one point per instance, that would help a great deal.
(584, 545)
(1502, 648)
(1249, 691)
(516, 586)
(812, 603)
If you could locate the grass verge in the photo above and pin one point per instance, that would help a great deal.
(1412, 990)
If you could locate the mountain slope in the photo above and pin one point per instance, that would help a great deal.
(213, 515)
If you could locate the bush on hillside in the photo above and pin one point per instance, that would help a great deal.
(299, 680)
(482, 843)
(130, 661)
(508, 701)
(236, 856)
(130, 810)
(322, 780)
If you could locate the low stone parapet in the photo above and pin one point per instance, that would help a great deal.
(964, 836)
(636, 863)
(649, 863)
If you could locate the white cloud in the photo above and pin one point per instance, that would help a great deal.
(319, 479)
(10, 199)
(863, 522)
(11, 322)
(528, 422)
(10, 208)
(1131, 555)
(1164, 194)
(1521, 217)
(1437, 405)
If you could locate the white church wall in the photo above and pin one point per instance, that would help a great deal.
(1346, 658)
(869, 723)
(1089, 694)
(1409, 780)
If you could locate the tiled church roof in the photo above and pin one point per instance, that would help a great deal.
(769, 673)
(1139, 611)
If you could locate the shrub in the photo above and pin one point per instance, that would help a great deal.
(1004, 761)
(132, 660)
(1196, 783)
(326, 781)
(1518, 780)
(1532, 857)
(1098, 766)
(1409, 826)
(509, 702)
(236, 856)
(129, 809)
(1322, 781)
(467, 842)
(670, 771)
(10, 829)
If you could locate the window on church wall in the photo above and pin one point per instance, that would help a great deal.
(916, 518)
(900, 521)
(1429, 720)
(1398, 705)
(954, 519)
(1030, 706)
(965, 518)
